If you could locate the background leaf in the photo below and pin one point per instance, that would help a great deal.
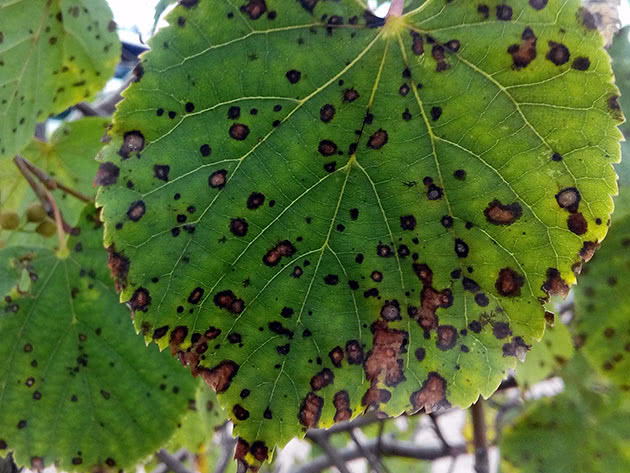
(372, 218)
(620, 54)
(68, 157)
(53, 54)
(77, 387)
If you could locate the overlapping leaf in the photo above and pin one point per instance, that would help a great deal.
(620, 54)
(53, 54)
(78, 389)
(67, 157)
(583, 430)
(322, 212)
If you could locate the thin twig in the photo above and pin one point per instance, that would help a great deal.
(372, 459)
(173, 463)
(320, 437)
(388, 447)
(438, 431)
(51, 183)
(480, 440)
(163, 468)
(88, 110)
(227, 443)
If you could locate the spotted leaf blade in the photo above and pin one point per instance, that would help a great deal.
(53, 54)
(323, 212)
(602, 302)
(78, 389)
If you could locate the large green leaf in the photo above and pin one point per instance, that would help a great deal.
(620, 54)
(67, 157)
(586, 429)
(53, 54)
(77, 386)
(313, 202)
(602, 302)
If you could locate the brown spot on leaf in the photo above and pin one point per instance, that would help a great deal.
(432, 394)
(220, 377)
(132, 141)
(227, 300)
(327, 147)
(350, 95)
(238, 227)
(282, 249)
(240, 412)
(587, 19)
(555, 285)
(509, 283)
(375, 396)
(501, 330)
(354, 352)
(322, 379)
(327, 113)
(310, 410)
(136, 210)
(517, 348)
(500, 214)
(106, 175)
(336, 356)
(558, 53)
(504, 12)
(161, 171)
(569, 199)
(341, 401)
(417, 46)
(254, 9)
(538, 4)
(446, 337)
(383, 362)
(391, 311)
(217, 179)
(577, 223)
(378, 139)
(140, 300)
(260, 451)
(118, 266)
(581, 63)
(588, 250)
(196, 295)
(255, 200)
(525, 52)
(293, 76)
(239, 131)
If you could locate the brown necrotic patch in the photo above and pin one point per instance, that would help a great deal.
(282, 249)
(106, 175)
(322, 379)
(538, 4)
(310, 410)
(432, 394)
(555, 285)
(509, 283)
(132, 141)
(160, 171)
(140, 300)
(569, 199)
(391, 311)
(255, 200)
(350, 95)
(254, 9)
(588, 250)
(327, 113)
(417, 45)
(327, 147)
(383, 363)
(504, 12)
(558, 53)
(581, 63)
(178, 335)
(293, 76)
(239, 131)
(240, 413)
(408, 222)
(341, 401)
(525, 52)
(378, 139)
(354, 352)
(430, 299)
(238, 227)
(501, 330)
(336, 356)
(160, 332)
(227, 300)
(218, 179)
(118, 265)
(446, 337)
(136, 210)
(259, 450)
(517, 348)
(220, 377)
(503, 214)
(577, 224)
(195, 295)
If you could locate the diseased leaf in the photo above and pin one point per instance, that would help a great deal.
(78, 389)
(324, 212)
(196, 430)
(602, 302)
(546, 357)
(583, 430)
(159, 9)
(620, 54)
(67, 157)
(53, 54)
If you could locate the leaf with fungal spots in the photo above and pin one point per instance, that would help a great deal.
(69, 158)
(53, 54)
(584, 429)
(602, 302)
(78, 388)
(359, 213)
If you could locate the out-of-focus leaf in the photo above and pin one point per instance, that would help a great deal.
(78, 389)
(53, 54)
(620, 54)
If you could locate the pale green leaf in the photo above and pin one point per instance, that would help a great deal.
(78, 389)
(53, 54)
